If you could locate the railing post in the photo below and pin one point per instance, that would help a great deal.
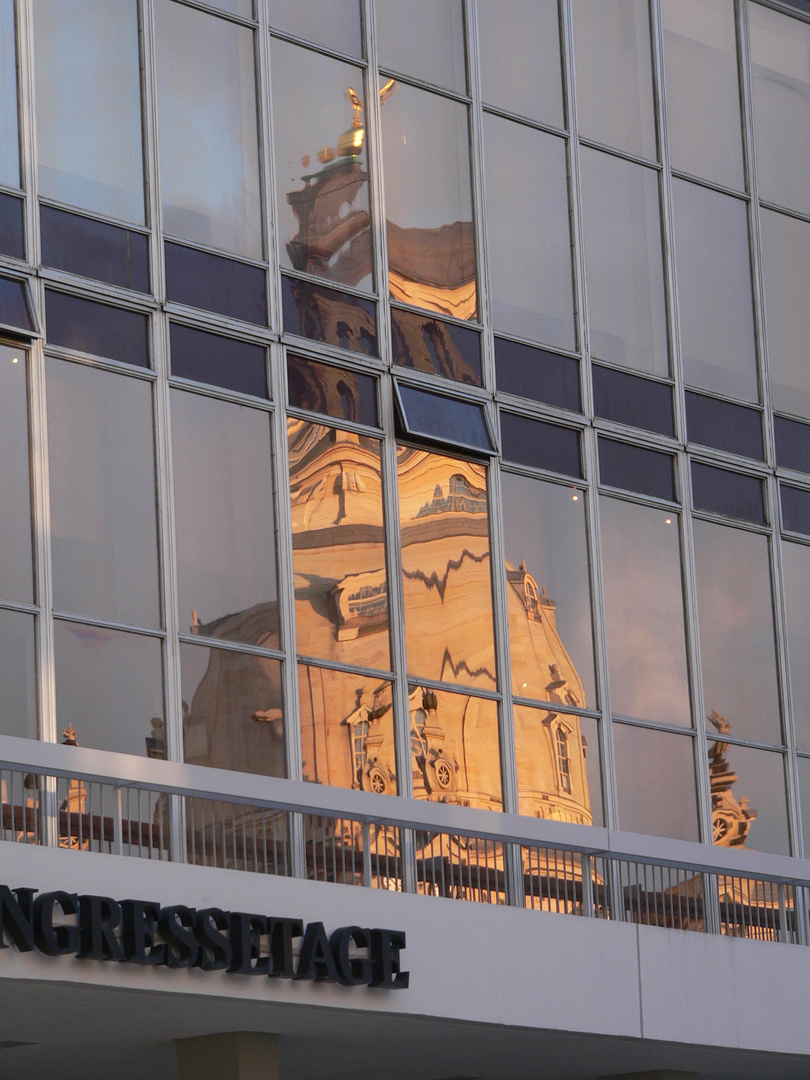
(586, 868)
(366, 830)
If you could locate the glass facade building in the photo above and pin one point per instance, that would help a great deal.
(411, 399)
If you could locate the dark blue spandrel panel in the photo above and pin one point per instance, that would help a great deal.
(635, 468)
(98, 329)
(724, 425)
(218, 360)
(12, 229)
(632, 399)
(724, 492)
(538, 374)
(214, 283)
(95, 249)
(540, 445)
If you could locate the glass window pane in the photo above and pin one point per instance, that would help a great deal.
(424, 39)
(333, 391)
(235, 7)
(9, 122)
(16, 565)
(630, 399)
(558, 766)
(341, 583)
(109, 686)
(14, 304)
(528, 233)
(446, 569)
(429, 344)
(644, 609)
(703, 93)
(455, 749)
(18, 710)
(321, 156)
(337, 318)
(780, 65)
(519, 45)
(347, 730)
(786, 278)
(448, 419)
(98, 329)
(714, 290)
(735, 610)
(655, 777)
(89, 105)
(223, 493)
(428, 201)
(748, 799)
(614, 74)
(796, 564)
(624, 272)
(548, 592)
(333, 23)
(804, 789)
(211, 358)
(233, 713)
(102, 477)
(209, 156)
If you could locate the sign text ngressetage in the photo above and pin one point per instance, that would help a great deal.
(143, 932)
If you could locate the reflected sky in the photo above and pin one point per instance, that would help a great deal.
(544, 528)
(645, 620)
(527, 198)
(786, 273)
(89, 105)
(736, 630)
(780, 68)
(623, 262)
(9, 124)
(519, 46)
(208, 130)
(655, 777)
(333, 23)
(16, 569)
(109, 685)
(18, 706)
(796, 563)
(614, 74)
(226, 553)
(102, 484)
(703, 94)
(424, 39)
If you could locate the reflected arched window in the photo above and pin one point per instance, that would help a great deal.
(563, 760)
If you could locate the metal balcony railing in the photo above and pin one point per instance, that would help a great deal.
(88, 800)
